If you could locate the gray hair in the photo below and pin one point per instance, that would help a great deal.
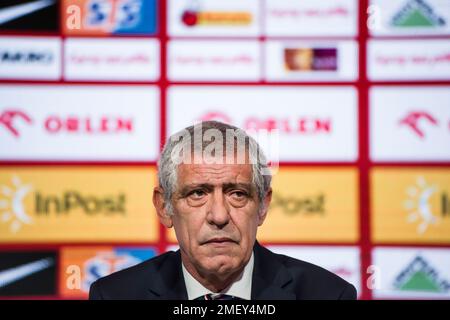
(170, 155)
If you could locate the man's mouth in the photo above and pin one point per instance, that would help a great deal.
(220, 241)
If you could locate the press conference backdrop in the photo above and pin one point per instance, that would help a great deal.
(359, 92)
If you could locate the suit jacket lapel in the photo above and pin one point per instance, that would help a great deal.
(167, 282)
(271, 280)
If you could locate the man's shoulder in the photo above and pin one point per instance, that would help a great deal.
(310, 281)
(129, 283)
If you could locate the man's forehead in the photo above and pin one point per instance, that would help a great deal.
(224, 173)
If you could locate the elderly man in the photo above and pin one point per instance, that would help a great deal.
(214, 190)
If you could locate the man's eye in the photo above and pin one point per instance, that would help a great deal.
(239, 195)
(196, 194)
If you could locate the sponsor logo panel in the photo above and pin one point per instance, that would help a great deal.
(29, 15)
(410, 205)
(342, 261)
(309, 204)
(214, 60)
(112, 59)
(99, 123)
(30, 58)
(410, 124)
(309, 128)
(312, 61)
(109, 17)
(76, 204)
(28, 273)
(311, 18)
(81, 266)
(408, 60)
(409, 17)
(415, 273)
(213, 18)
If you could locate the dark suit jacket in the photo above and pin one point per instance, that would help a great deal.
(275, 277)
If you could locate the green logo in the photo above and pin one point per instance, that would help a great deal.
(420, 276)
(416, 13)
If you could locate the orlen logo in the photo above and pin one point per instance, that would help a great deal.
(75, 124)
(412, 119)
(8, 117)
(54, 124)
(194, 16)
(301, 125)
(216, 116)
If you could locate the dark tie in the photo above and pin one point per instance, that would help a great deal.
(217, 296)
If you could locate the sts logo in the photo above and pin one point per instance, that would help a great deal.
(105, 17)
(107, 262)
(91, 263)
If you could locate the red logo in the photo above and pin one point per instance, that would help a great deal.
(342, 272)
(193, 16)
(189, 18)
(301, 125)
(70, 124)
(412, 121)
(7, 118)
(216, 116)
(103, 125)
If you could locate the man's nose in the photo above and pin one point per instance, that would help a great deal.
(218, 213)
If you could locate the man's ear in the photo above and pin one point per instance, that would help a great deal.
(159, 203)
(265, 207)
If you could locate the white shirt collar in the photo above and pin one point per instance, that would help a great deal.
(241, 288)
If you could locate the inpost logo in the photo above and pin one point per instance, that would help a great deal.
(420, 276)
(411, 205)
(71, 203)
(12, 204)
(53, 204)
(419, 207)
(72, 200)
(303, 205)
(323, 207)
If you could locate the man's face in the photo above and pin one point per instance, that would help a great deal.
(216, 215)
